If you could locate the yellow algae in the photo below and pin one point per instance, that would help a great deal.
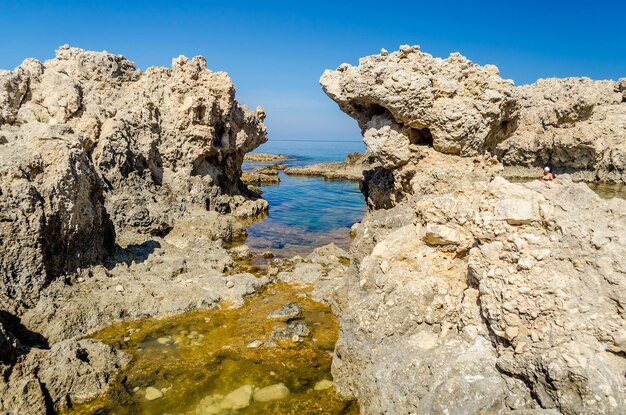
(197, 358)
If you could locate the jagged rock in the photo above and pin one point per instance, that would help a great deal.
(409, 98)
(466, 293)
(428, 327)
(71, 372)
(287, 312)
(575, 125)
(160, 139)
(52, 215)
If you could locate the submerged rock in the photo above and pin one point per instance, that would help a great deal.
(271, 393)
(287, 312)
(295, 331)
(153, 393)
(237, 399)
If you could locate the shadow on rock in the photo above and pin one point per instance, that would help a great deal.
(28, 339)
(136, 253)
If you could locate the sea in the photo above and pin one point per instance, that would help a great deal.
(306, 212)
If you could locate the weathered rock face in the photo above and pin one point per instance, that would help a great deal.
(575, 125)
(175, 134)
(71, 372)
(52, 215)
(478, 301)
(466, 293)
(409, 98)
(89, 143)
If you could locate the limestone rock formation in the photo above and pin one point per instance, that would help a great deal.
(575, 125)
(175, 134)
(71, 372)
(52, 215)
(408, 98)
(89, 143)
(113, 188)
(477, 302)
(351, 168)
(467, 293)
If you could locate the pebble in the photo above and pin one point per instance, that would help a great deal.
(153, 393)
(238, 399)
(126, 339)
(271, 393)
(254, 344)
(164, 340)
(119, 288)
(230, 284)
(323, 384)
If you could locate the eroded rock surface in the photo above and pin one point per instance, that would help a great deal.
(467, 293)
(576, 125)
(71, 372)
(409, 98)
(114, 189)
(478, 302)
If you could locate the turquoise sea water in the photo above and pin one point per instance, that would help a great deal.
(306, 212)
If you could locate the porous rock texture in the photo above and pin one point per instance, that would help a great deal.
(408, 97)
(119, 190)
(466, 293)
(575, 125)
(90, 144)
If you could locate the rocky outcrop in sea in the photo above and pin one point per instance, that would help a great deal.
(114, 183)
(467, 293)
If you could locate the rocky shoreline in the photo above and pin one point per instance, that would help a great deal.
(122, 192)
(351, 168)
(467, 293)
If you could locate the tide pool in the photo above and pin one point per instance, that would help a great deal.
(307, 212)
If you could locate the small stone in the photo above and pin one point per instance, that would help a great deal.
(323, 384)
(153, 393)
(136, 389)
(271, 393)
(119, 288)
(230, 284)
(238, 399)
(295, 338)
(287, 312)
(164, 340)
(81, 279)
(254, 344)
(521, 346)
(126, 339)
(511, 332)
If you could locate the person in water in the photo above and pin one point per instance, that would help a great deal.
(547, 175)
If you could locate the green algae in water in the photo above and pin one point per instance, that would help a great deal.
(203, 354)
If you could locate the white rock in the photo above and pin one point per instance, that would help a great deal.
(153, 393)
(271, 393)
(323, 384)
(238, 399)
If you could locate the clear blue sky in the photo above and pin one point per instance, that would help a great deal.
(276, 51)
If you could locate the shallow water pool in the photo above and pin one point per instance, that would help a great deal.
(197, 359)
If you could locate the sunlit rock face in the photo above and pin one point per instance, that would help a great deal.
(466, 293)
(408, 99)
(576, 125)
(90, 145)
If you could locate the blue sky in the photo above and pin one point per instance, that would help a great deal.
(276, 51)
